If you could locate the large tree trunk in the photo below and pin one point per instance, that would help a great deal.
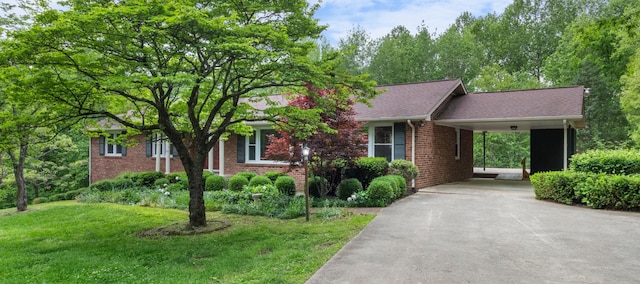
(18, 171)
(197, 214)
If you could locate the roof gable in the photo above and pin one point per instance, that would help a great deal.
(409, 101)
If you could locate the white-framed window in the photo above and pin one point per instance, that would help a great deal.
(256, 145)
(111, 148)
(457, 143)
(381, 141)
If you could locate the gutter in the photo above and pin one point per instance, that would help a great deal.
(413, 152)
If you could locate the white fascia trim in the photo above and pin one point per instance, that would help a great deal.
(512, 119)
(449, 93)
(391, 119)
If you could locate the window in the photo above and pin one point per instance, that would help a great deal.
(381, 141)
(257, 144)
(109, 146)
(457, 144)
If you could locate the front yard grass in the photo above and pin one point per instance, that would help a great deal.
(68, 242)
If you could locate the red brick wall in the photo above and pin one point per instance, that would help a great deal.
(136, 160)
(435, 154)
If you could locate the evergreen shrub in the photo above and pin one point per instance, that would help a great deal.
(237, 182)
(260, 180)
(348, 187)
(214, 182)
(286, 185)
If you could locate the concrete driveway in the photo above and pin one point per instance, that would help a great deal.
(481, 231)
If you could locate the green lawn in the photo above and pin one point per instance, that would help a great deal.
(67, 242)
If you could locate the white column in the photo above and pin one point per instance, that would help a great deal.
(210, 160)
(157, 153)
(565, 155)
(221, 157)
(167, 157)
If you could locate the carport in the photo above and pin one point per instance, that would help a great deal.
(551, 116)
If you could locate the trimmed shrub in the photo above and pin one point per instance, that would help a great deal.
(620, 162)
(560, 186)
(40, 200)
(237, 182)
(273, 176)
(177, 177)
(403, 168)
(248, 175)
(146, 179)
(206, 174)
(366, 169)
(380, 191)
(401, 185)
(214, 182)
(260, 180)
(161, 182)
(315, 185)
(348, 187)
(113, 184)
(286, 185)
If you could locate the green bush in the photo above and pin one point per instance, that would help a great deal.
(260, 180)
(40, 200)
(214, 182)
(161, 182)
(177, 177)
(366, 169)
(381, 191)
(403, 168)
(146, 179)
(286, 185)
(237, 182)
(611, 192)
(248, 175)
(273, 176)
(316, 184)
(620, 162)
(113, 184)
(401, 185)
(348, 187)
(560, 186)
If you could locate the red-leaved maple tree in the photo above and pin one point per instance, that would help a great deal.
(340, 138)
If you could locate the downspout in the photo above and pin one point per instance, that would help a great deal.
(413, 152)
(565, 154)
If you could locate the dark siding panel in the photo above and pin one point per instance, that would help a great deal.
(101, 142)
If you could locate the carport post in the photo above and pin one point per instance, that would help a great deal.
(484, 150)
(565, 154)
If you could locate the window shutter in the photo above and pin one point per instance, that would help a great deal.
(149, 146)
(174, 151)
(101, 142)
(124, 150)
(241, 148)
(399, 140)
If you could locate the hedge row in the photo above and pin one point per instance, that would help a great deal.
(617, 162)
(596, 190)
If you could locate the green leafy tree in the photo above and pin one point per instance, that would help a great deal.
(588, 55)
(195, 70)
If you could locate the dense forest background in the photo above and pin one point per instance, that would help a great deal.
(533, 44)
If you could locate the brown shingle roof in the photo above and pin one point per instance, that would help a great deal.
(555, 102)
(406, 101)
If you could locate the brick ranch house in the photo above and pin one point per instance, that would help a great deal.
(431, 124)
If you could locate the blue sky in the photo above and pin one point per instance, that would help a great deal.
(378, 17)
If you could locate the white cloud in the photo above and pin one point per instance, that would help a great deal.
(378, 17)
